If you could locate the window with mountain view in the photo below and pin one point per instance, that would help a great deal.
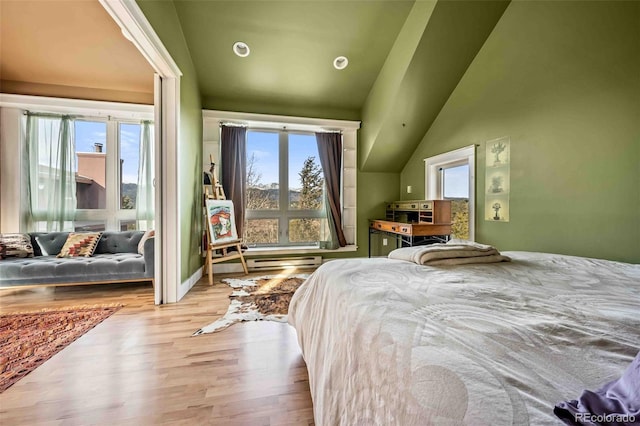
(451, 176)
(285, 185)
(455, 187)
(129, 138)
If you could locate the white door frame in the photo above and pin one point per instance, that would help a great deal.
(136, 28)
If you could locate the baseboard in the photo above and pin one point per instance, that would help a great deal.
(236, 268)
(227, 268)
(189, 283)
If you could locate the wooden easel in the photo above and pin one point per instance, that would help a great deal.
(218, 191)
(218, 194)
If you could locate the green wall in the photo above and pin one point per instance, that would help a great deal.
(162, 16)
(373, 190)
(379, 103)
(405, 101)
(562, 80)
(269, 107)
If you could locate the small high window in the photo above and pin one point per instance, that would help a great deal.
(450, 176)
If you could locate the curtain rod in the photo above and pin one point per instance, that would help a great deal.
(48, 114)
(75, 116)
(232, 124)
(283, 127)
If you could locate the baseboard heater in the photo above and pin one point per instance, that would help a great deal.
(284, 262)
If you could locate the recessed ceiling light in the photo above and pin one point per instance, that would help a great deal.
(241, 49)
(340, 62)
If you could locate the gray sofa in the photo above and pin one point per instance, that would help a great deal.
(116, 259)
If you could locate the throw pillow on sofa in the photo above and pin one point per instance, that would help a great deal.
(15, 245)
(80, 244)
(148, 234)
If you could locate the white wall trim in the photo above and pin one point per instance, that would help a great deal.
(432, 191)
(227, 268)
(77, 106)
(187, 285)
(266, 121)
(11, 173)
(454, 155)
(135, 27)
(279, 251)
(170, 189)
(236, 268)
(232, 268)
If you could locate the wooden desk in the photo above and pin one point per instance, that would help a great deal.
(410, 234)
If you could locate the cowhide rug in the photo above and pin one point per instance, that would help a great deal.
(256, 299)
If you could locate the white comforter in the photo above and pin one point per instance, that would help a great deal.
(389, 342)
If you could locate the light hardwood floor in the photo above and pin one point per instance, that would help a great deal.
(142, 367)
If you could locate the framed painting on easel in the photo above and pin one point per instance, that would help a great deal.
(222, 235)
(221, 221)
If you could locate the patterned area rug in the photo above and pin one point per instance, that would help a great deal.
(27, 339)
(255, 299)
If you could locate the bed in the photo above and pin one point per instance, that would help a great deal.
(390, 342)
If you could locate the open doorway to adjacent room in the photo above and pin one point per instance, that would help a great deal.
(79, 59)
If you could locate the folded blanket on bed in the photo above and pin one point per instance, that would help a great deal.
(494, 258)
(455, 252)
(615, 403)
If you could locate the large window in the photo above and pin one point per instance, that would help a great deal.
(450, 176)
(278, 217)
(285, 190)
(106, 166)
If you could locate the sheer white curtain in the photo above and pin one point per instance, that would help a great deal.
(52, 169)
(145, 195)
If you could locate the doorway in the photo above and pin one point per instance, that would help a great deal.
(138, 30)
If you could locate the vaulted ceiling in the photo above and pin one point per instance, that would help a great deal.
(439, 42)
(293, 45)
(405, 59)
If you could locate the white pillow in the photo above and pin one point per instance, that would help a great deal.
(148, 234)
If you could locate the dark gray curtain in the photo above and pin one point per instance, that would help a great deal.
(233, 142)
(330, 152)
